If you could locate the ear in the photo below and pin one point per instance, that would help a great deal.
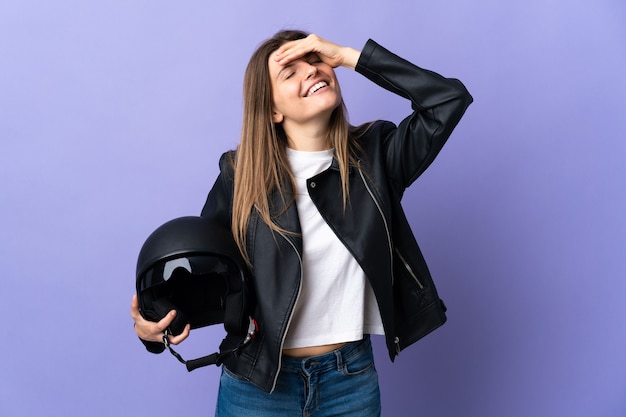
(277, 117)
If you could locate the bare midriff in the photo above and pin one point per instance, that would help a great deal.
(304, 352)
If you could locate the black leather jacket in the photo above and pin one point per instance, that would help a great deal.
(373, 226)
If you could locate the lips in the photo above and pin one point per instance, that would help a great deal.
(316, 87)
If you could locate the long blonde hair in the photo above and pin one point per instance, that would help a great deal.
(261, 165)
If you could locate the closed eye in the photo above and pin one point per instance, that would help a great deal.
(286, 72)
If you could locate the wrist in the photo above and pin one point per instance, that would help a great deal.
(351, 57)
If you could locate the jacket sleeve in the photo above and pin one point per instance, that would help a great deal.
(438, 104)
(218, 205)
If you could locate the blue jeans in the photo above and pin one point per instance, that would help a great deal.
(340, 383)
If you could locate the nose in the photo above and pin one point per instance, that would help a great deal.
(311, 70)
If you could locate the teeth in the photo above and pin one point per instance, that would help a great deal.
(316, 87)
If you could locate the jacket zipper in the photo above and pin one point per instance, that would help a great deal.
(282, 342)
(382, 215)
(396, 340)
(409, 269)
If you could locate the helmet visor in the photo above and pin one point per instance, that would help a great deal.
(195, 266)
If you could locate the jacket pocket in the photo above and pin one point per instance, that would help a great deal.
(408, 289)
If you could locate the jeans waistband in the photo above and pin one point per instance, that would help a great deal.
(330, 359)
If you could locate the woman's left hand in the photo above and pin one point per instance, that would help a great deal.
(331, 53)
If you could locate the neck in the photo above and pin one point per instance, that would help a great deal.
(309, 138)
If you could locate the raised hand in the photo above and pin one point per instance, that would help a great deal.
(329, 52)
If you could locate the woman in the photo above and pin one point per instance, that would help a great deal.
(314, 206)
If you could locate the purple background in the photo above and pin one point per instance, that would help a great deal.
(112, 118)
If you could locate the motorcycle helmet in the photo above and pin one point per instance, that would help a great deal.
(192, 265)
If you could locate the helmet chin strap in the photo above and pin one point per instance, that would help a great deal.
(216, 358)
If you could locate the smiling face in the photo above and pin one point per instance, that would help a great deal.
(304, 91)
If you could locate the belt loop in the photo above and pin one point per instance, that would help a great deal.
(339, 356)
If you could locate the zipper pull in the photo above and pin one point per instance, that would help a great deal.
(396, 342)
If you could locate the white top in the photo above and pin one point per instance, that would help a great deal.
(336, 302)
